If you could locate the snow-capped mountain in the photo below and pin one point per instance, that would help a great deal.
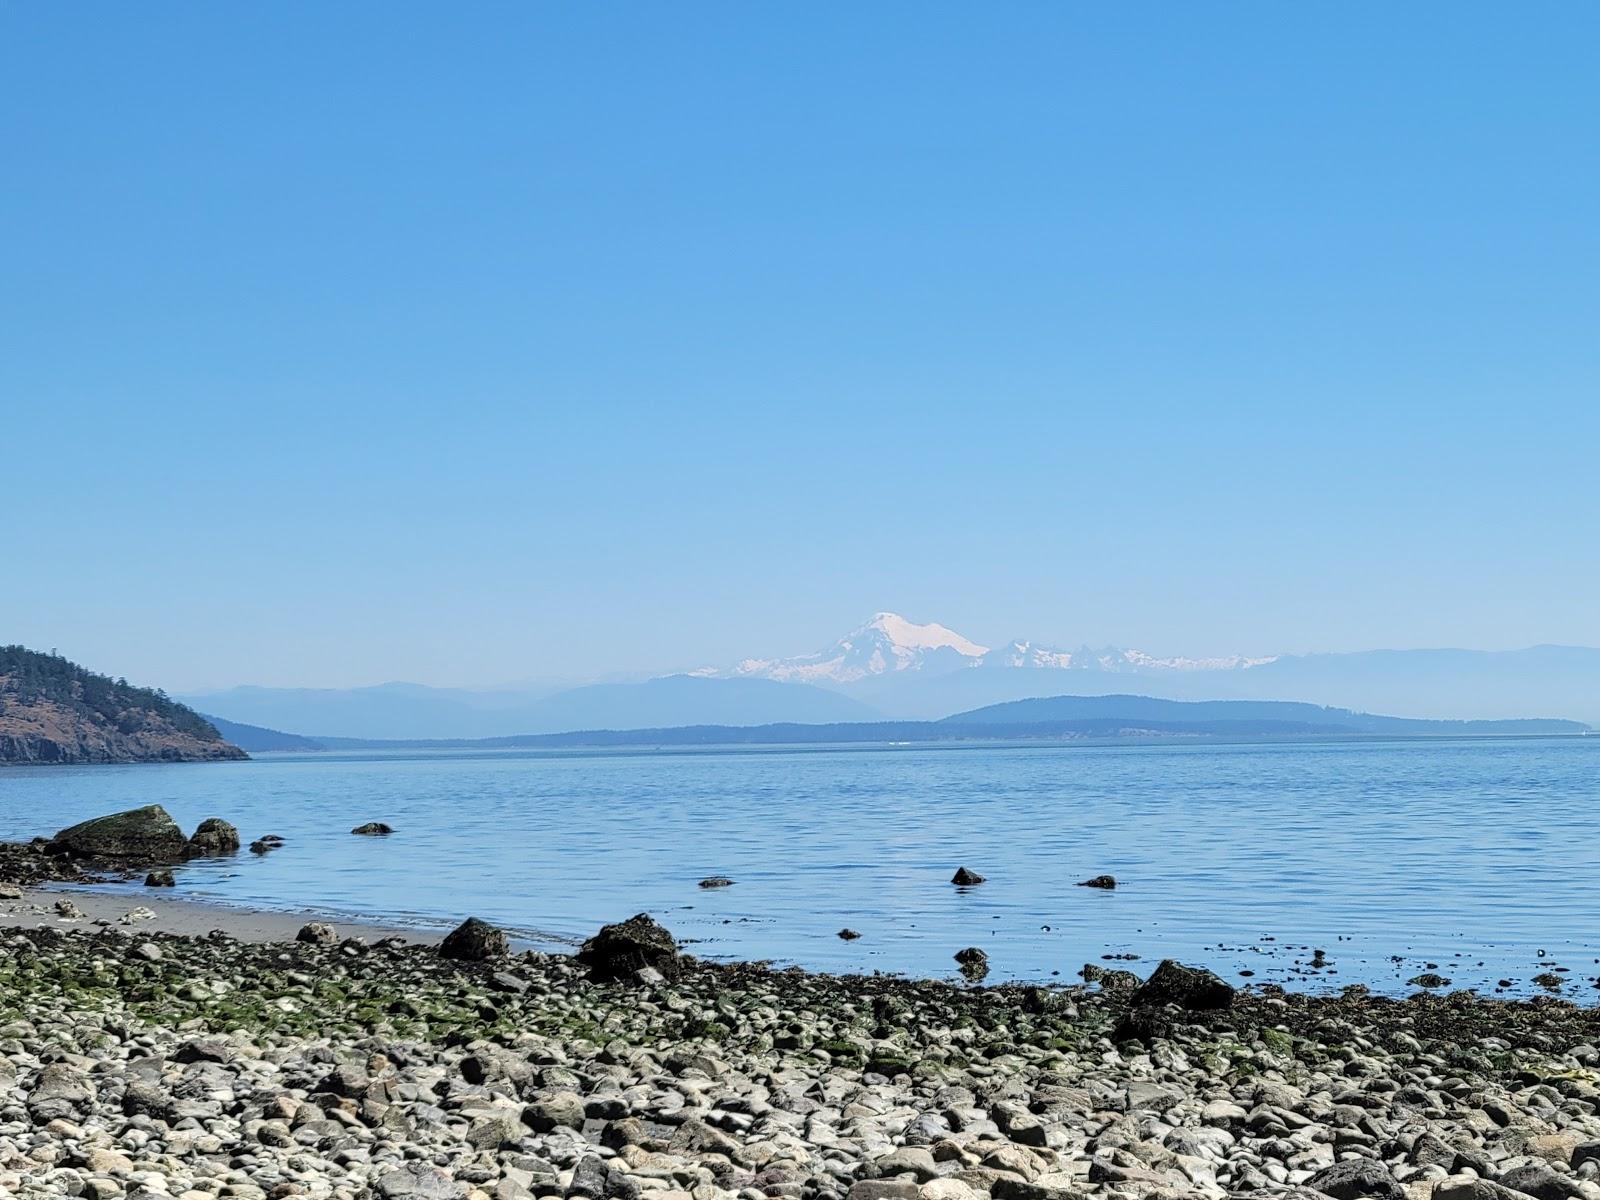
(885, 644)
(889, 644)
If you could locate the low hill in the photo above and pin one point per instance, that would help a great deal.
(257, 740)
(1068, 709)
(1060, 718)
(54, 711)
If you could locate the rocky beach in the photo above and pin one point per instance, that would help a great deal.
(166, 1050)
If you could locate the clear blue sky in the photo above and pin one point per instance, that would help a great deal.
(463, 344)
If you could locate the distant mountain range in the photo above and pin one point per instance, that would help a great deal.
(408, 711)
(1058, 718)
(891, 668)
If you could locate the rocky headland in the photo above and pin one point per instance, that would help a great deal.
(54, 711)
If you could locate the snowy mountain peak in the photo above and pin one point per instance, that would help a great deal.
(889, 643)
(911, 636)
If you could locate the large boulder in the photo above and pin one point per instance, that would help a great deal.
(140, 835)
(618, 951)
(1187, 987)
(212, 838)
(1357, 1179)
(474, 941)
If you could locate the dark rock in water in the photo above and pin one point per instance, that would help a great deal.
(1109, 980)
(716, 881)
(474, 941)
(1108, 882)
(618, 951)
(966, 878)
(159, 879)
(212, 838)
(974, 963)
(317, 933)
(1357, 1179)
(1187, 987)
(143, 835)
(849, 935)
(373, 829)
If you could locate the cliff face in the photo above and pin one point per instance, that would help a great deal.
(52, 711)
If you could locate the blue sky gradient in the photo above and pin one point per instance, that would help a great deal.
(349, 343)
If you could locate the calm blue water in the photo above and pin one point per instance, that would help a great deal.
(1471, 855)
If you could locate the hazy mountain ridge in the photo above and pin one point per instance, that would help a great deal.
(892, 668)
(393, 711)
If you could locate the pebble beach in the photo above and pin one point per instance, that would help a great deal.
(145, 1057)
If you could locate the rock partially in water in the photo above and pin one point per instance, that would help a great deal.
(1187, 987)
(966, 878)
(373, 829)
(317, 933)
(140, 835)
(618, 951)
(161, 878)
(213, 838)
(974, 963)
(475, 941)
(1109, 979)
(1107, 882)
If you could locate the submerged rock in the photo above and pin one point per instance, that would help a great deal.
(966, 878)
(475, 941)
(212, 838)
(1187, 987)
(140, 835)
(373, 829)
(618, 951)
(974, 963)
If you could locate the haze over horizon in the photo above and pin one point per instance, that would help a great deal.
(347, 345)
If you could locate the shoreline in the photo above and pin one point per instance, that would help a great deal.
(143, 1064)
(106, 896)
(181, 916)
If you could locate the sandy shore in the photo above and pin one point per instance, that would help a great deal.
(118, 911)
